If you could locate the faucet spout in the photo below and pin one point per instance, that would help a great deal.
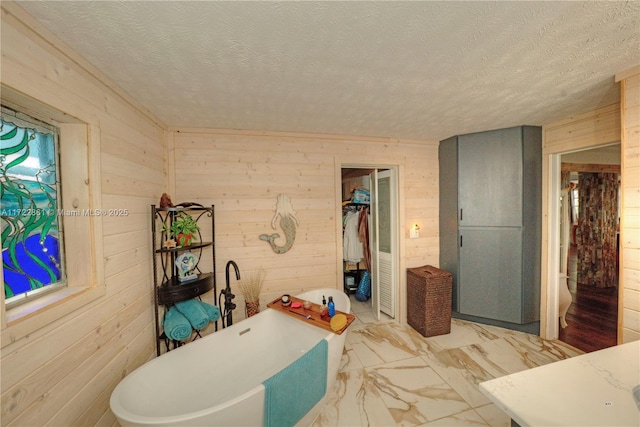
(235, 267)
(229, 305)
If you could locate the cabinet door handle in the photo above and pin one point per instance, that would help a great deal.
(460, 214)
(460, 241)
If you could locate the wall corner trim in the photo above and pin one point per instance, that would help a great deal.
(623, 75)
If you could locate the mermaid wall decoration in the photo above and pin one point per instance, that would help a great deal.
(288, 222)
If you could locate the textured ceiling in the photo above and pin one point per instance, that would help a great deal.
(421, 70)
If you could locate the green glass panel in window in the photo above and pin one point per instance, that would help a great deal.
(31, 244)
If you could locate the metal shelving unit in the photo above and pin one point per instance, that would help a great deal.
(168, 290)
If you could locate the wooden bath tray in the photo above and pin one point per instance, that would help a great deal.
(314, 311)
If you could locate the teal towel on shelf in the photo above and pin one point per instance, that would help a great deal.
(194, 312)
(212, 311)
(293, 391)
(176, 326)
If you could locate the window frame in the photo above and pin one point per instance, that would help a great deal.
(20, 119)
(80, 176)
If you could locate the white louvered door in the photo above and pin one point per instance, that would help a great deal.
(384, 271)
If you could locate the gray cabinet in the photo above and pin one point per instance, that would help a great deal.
(489, 186)
(490, 225)
(490, 271)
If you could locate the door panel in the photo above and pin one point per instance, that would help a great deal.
(374, 244)
(448, 211)
(491, 273)
(385, 284)
(386, 243)
(490, 178)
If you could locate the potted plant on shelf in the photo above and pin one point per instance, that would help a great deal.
(184, 228)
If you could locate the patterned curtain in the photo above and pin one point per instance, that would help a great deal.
(597, 229)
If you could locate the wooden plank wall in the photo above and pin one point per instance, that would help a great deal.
(63, 374)
(629, 310)
(597, 127)
(583, 131)
(243, 172)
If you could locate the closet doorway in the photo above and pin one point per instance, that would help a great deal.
(370, 194)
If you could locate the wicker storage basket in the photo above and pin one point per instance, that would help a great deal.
(429, 300)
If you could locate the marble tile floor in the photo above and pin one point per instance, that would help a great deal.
(390, 375)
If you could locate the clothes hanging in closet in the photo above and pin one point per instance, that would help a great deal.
(352, 246)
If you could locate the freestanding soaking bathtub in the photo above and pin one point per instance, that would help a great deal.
(217, 380)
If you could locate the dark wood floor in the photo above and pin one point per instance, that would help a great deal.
(592, 316)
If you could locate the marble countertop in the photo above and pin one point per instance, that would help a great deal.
(593, 389)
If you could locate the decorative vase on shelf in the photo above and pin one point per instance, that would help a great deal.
(185, 239)
(185, 264)
(252, 308)
(184, 228)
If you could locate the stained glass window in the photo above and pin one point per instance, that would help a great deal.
(29, 199)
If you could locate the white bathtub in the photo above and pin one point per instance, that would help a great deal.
(217, 380)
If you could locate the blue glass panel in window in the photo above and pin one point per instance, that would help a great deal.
(31, 254)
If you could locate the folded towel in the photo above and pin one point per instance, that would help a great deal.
(176, 326)
(198, 313)
(194, 312)
(212, 311)
(293, 391)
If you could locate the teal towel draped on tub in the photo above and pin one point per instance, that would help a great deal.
(175, 325)
(293, 391)
(198, 313)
